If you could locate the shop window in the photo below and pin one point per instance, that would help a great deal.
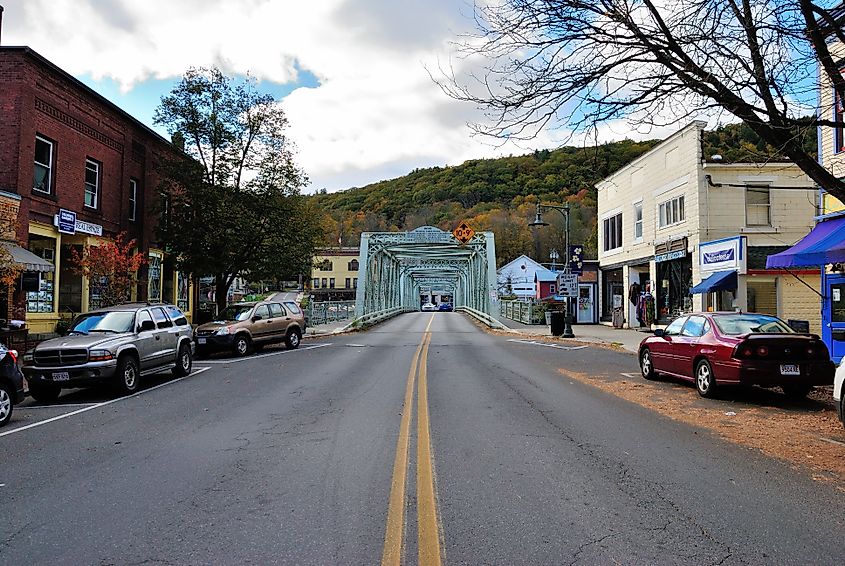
(183, 287)
(96, 289)
(354, 282)
(92, 183)
(671, 212)
(42, 178)
(638, 221)
(133, 199)
(348, 282)
(612, 229)
(154, 279)
(324, 283)
(353, 265)
(331, 283)
(837, 302)
(316, 283)
(758, 206)
(42, 299)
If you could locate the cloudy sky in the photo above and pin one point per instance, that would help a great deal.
(351, 74)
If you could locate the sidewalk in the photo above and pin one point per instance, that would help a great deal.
(324, 329)
(626, 338)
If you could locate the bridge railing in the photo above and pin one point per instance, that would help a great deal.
(483, 317)
(526, 312)
(329, 311)
(371, 318)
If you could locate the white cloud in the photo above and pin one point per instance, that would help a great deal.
(376, 113)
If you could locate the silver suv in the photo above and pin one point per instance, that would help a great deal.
(116, 346)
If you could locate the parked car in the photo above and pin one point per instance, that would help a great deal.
(11, 383)
(116, 346)
(839, 391)
(242, 327)
(715, 349)
(429, 307)
(445, 307)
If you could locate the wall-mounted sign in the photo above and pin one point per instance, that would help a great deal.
(725, 254)
(673, 249)
(67, 223)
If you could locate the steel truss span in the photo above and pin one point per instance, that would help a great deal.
(398, 267)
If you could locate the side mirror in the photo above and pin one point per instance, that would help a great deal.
(256, 318)
(146, 326)
(659, 332)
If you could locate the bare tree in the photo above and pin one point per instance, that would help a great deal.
(579, 63)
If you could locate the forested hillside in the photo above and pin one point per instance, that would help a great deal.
(500, 194)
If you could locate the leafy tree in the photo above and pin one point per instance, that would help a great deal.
(231, 205)
(111, 267)
(578, 63)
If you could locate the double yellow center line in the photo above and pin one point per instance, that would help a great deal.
(427, 531)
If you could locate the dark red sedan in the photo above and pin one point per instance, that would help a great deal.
(714, 349)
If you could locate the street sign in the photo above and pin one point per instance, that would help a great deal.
(567, 284)
(576, 259)
(463, 233)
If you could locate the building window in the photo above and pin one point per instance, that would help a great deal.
(154, 278)
(672, 212)
(92, 183)
(354, 282)
(42, 177)
(42, 299)
(331, 283)
(612, 232)
(315, 284)
(348, 282)
(324, 265)
(758, 207)
(638, 221)
(353, 265)
(324, 283)
(552, 288)
(133, 198)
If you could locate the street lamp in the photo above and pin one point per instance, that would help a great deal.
(538, 221)
(554, 256)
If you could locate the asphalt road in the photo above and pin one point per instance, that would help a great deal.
(309, 457)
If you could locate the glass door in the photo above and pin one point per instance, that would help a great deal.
(586, 304)
(833, 329)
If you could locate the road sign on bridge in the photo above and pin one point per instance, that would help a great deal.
(463, 233)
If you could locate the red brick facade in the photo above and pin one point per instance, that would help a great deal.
(39, 99)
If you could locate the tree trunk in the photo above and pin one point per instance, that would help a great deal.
(221, 291)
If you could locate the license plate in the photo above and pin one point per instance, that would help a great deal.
(61, 376)
(200, 340)
(789, 369)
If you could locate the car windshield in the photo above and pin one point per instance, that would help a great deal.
(736, 324)
(235, 312)
(114, 321)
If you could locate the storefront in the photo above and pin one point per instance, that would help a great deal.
(612, 291)
(167, 284)
(674, 279)
(720, 262)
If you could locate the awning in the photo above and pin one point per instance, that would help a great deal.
(824, 244)
(27, 260)
(719, 281)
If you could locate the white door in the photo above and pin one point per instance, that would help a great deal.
(586, 304)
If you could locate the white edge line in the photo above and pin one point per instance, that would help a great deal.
(630, 375)
(250, 358)
(98, 405)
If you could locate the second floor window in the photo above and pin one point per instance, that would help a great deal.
(92, 183)
(353, 265)
(612, 230)
(638, 221)
(42, 177)
(331, 283)
(672, 211)
(758, 207)
(133, 198)
(838, 133)
(348, 282)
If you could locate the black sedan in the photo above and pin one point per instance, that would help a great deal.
(11, 383)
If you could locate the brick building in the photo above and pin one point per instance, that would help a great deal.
(75, 169)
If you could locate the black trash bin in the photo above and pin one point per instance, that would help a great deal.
(558, 322)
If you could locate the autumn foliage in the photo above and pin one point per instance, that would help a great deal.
(111, 267)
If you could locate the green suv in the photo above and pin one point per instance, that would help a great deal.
(115, 346)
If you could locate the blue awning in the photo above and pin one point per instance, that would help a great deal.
(719, 281)
(824, 244)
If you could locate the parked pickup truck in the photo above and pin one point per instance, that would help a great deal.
(115, 346)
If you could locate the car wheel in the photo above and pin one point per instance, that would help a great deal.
(184, 361)
(705, 383)
(842, 409)
(127, 375)
(796, 391)
(241, 346)
(293, 338)
(647, 365)
(6, 394)
(44, 392)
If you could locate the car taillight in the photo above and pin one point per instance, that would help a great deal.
(743, 351)
(13, 354)
(762, 351)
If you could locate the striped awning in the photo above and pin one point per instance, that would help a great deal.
(27, 260)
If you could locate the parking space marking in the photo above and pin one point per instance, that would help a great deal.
(61, 406)
(630, 375)
(258, 357)
(98, 405)
(546, 344)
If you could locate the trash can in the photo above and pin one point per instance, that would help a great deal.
(558, 322)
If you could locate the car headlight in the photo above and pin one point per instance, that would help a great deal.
(100, 356)
(27, 358)
(223, 331)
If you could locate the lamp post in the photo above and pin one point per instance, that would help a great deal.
(554, 256)
(538, 221)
